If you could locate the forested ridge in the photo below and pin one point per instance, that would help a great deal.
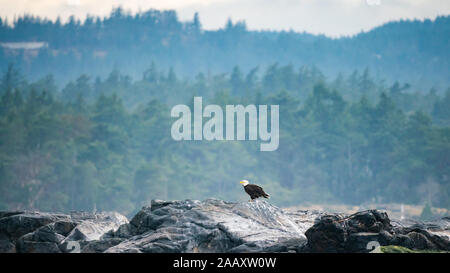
(104, 142)
(412, 51)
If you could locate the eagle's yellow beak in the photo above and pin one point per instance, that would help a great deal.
(242, 182)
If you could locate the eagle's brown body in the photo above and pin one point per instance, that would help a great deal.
(255, 191)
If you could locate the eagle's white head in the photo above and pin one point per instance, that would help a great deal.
(244, 183)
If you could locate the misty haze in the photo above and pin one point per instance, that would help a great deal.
(85, 114)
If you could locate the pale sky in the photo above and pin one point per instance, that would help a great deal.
(330, 17)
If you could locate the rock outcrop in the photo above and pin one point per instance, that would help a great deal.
(214, 226)
(211, 226)
(364, 231)
(30, 232)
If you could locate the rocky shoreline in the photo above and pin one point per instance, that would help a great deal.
(212, 226)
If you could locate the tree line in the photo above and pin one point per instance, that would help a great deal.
(412, 51)
(105, 144)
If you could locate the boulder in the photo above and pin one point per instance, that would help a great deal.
(16, 224)
(211, 226)
(360, 231)
(32, 232)
(327, 235)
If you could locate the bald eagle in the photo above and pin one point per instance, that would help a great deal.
(253, 190)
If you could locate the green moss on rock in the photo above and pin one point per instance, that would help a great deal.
(400, 249)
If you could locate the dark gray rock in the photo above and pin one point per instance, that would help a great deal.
(211, 226)
(7, 246)
(64, 227)
(30, 232)
(327, 235)
(215, 226)
(91, 227)
(164, 226)
(24, 246)
(355, 233)
(4, 214)
(402, 240)
(16, 225)
(359, 241)
(46, 233)
(100, 245)
(420, 241)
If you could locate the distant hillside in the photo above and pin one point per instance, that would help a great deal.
(416, 52)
